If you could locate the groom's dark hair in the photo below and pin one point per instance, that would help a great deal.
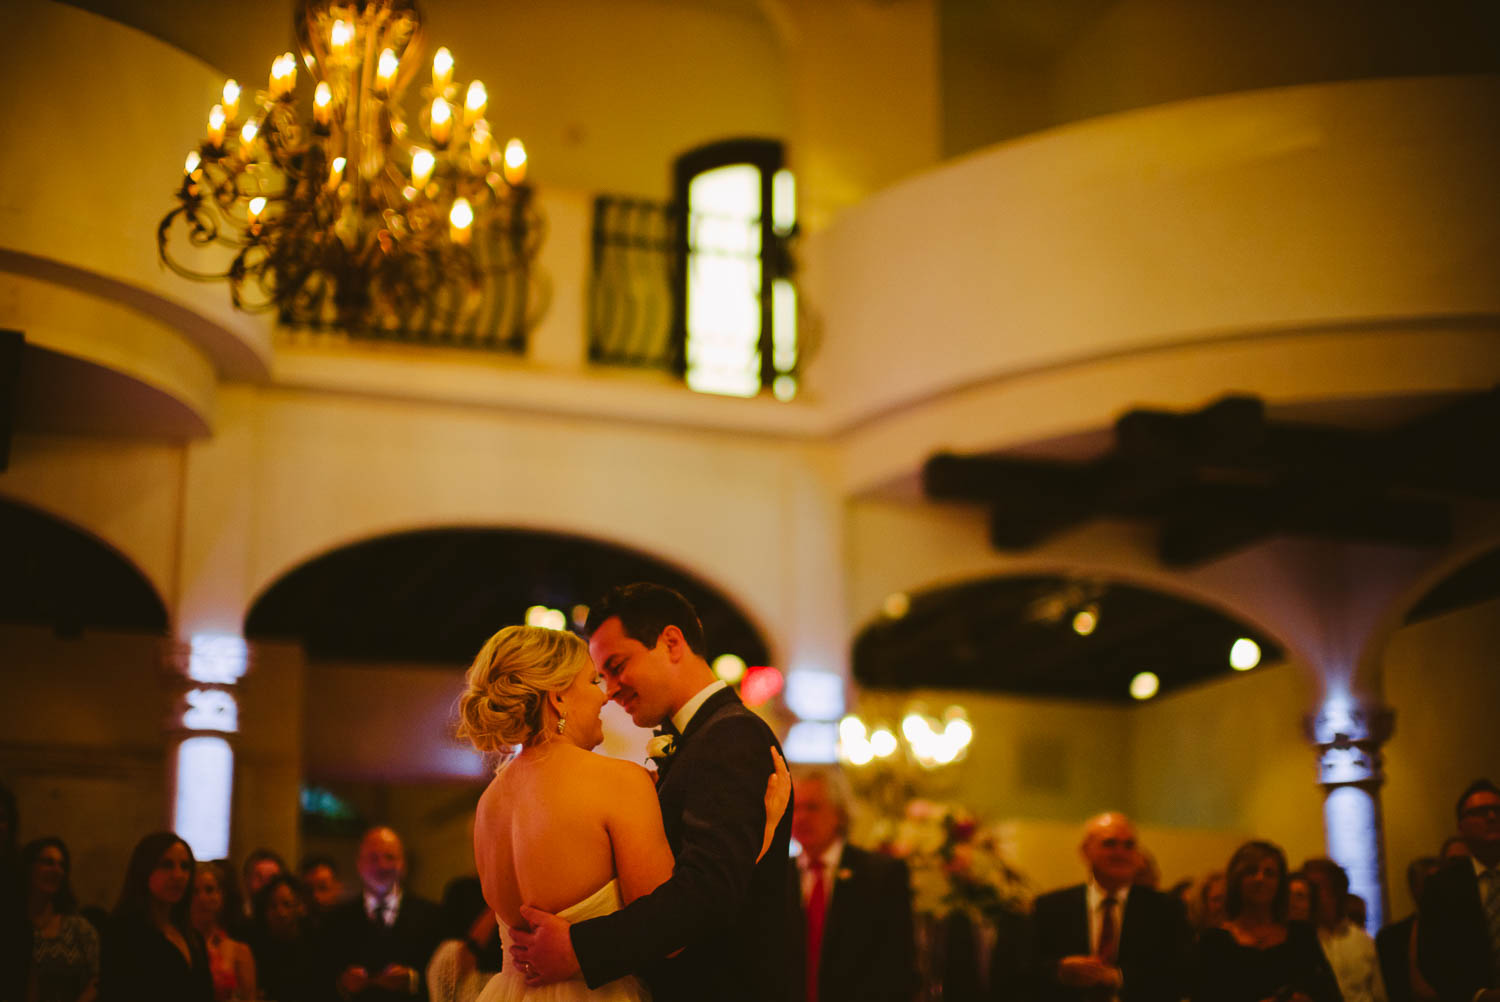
(644, 610)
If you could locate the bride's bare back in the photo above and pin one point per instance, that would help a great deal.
(557, 823)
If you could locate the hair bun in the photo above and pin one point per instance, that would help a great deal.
(508, 683)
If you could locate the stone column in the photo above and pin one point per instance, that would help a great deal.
(200, 726)
(1348, 736)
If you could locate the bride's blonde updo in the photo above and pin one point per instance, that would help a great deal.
(509, 681)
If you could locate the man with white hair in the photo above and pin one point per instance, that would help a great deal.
(1106, 938)
(855, 933)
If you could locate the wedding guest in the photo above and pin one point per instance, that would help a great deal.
(258, 869)
(285, 963)
(1396, 944)
(470, 953)
(1301, 898)
(854, 931)
(378, 943)
(1257, 954)
(1350, 950)
(64, 946)
(1106, 935)
(1211, 902)
(1458, 934)
(320, 878)
(151, 950)
(229, 960)
(15, 931)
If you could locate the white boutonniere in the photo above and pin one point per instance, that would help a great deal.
(660, 748)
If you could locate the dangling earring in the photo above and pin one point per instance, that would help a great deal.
(561, 723)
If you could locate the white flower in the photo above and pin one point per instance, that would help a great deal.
(661, 747)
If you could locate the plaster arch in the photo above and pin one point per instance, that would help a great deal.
(732, 592)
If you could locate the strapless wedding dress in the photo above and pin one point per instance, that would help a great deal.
(510, 985)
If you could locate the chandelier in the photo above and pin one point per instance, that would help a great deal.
(340, 212)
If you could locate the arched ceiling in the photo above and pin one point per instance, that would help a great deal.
(1016, 635)
(59, 577)
(434, 596)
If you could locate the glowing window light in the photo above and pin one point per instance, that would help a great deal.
(761, 684)
(1144, 685)
(724, 281)
(783, 325)
(205, 782)
(217, 658)
(1244, 654)
(812, 741)
(211, 710)
(783, 203)
(815, 695)
(730, 668)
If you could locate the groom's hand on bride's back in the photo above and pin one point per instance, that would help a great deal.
(544, 951)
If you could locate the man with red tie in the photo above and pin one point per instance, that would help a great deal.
(855, 925)
(1106, 939)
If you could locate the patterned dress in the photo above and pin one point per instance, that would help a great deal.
(64, 965)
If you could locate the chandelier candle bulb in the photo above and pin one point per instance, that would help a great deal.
(336, 173)
(231, 104)
(385, 72)
(190, 167)
(460, 221)
(216, 122)
(257, 213)
(422, 163)
(442, 70)
(515, 163)
(474, 102)
(323, 106)
(340, 37)
(440, 122)
(247, 139)
(479, 143)
(283, 76)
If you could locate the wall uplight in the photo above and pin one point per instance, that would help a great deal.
(1144, 685)
(730, 668)
(1244, 654)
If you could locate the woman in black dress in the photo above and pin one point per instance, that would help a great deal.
(151, 950)
(1257, 955)
(286, 966)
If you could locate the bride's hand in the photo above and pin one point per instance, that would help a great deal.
(778, 794)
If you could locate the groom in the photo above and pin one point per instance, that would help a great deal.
(724, 909)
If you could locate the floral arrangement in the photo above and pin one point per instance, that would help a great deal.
(956, 865)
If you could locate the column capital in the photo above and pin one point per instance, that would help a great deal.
(1348, 736)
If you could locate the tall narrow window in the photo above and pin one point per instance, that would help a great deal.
(736, 303)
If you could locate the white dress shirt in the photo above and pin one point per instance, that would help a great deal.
(1351, 954)
(684, 716)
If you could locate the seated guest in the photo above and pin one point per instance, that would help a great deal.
(1396, 944)
(470, 953)
(1301, 899)
(1106, 937)
(852, 936)
(378, 944)
(320, 878)
(228, 959)
(285, 965)
(151, 950)
(1350, 950)
(64, 946)
(1257, 954)
(1211, 902)
(1458, 935)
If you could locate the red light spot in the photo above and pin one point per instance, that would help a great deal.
(761, 684)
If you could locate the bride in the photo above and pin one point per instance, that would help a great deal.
(560, 828)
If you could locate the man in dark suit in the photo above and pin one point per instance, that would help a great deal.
(1458, 934)
(377, 944)
(1107, 939)
(1393, 944)
(853, 932)
(723, 908)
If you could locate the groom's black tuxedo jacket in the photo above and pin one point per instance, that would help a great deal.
(725, 909)
(1153, 951)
